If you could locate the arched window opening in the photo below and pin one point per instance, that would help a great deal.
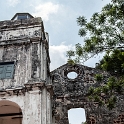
(10, 113)
(76, 116)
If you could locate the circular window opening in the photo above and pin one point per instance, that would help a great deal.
(72, 75)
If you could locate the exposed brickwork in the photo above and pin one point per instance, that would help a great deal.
(72, 93)
(119, 120)
(36, 90)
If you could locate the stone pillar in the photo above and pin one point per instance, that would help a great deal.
(44, 106)
(49, 118)
(44, 61)
(42, 65)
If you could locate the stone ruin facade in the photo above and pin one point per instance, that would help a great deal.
(72, 93)
(30, 93)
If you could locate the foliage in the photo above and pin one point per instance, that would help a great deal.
(98, 77)
(79, 54)
(113, 62)
(84, 123)
(106, 94)
(103, 33)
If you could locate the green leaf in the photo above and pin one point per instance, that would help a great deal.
(82, 32)
(71, 62)
(81, 21)
(70, 53)
(98, 77)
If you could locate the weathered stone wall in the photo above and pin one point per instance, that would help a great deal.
(27, 63)
(35, 105)
(24, 43)
(20, 33)
(72, 93)
(21, 55)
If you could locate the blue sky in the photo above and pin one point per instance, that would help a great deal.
(59, 17)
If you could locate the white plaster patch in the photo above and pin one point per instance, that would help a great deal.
(20, 33)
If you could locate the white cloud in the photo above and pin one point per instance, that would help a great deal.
(13, 2)
(58, 55)
(45, 10)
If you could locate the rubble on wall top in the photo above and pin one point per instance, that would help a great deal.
(17, 23)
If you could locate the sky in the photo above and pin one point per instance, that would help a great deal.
(59, 17)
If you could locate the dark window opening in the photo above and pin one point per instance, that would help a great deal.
(22, 17)
(6, 70)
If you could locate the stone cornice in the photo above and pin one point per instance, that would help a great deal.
(37, 86)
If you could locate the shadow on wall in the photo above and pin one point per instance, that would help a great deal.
(10, 113)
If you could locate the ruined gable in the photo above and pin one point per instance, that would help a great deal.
(30, 93)
(73, 93)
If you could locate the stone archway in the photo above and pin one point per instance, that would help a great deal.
(10, 113)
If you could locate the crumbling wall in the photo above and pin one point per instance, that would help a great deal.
(72, 93)
(35, 103)
(27, 63)
(24, 43)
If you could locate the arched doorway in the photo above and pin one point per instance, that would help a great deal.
(10, 113)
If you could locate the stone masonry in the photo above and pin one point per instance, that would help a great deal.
(24, 43)
(72, 93)
(30, 93)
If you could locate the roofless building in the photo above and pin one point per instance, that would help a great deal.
(30, 93)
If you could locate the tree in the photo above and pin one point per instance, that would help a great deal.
(113, 62)
(103, 33)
